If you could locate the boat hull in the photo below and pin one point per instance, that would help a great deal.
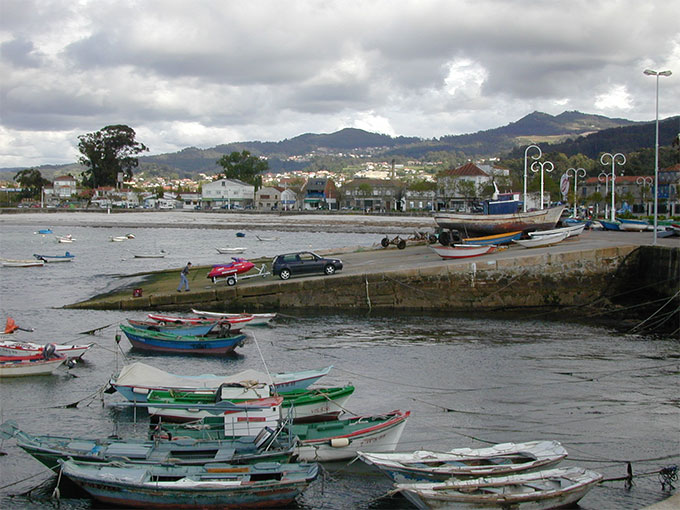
(462, 251)
(258, 319)
(10, 348)
(540, 241)
(22, 366)
(496, 239)
(488, 224)
(161, 342)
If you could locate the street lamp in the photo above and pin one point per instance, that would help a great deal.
(650, 72)
(613, 176)
(543, 166)
(604, 177)
(540, 153)
(576, 172)
(646, 182)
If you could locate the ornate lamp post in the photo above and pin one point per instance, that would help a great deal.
(622, 161)
(604, 177)
(645, 182)
(650, 72)
(576, 172)
(540, 153)
(542, 166)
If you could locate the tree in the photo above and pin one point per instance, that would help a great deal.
(244, 167)
(107, 152)
(32, 182)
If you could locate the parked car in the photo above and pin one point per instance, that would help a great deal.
(303, 262)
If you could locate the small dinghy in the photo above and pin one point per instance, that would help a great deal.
(22, 263)
(462, 251)
(540, 241)
(226, 251)
(52, 259)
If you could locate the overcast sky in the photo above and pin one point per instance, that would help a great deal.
(197, 73)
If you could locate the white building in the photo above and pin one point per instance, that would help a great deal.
(64, 187)
(228, 193)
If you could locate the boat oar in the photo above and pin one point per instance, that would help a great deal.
(93, 331)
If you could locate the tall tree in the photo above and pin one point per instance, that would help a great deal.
(107, 152)
(32, 182)
(243, 166)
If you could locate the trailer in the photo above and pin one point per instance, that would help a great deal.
(233, 278)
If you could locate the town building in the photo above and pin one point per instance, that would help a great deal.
(227, 194)
(320, 193)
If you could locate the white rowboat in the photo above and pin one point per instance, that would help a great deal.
(259, 319)
(572, 231)
(12, 348)
(539, 241)
(462, 251)
(23, 263)
(239, 249)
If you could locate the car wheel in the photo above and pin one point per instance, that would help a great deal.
(284, 274)
(329, 269)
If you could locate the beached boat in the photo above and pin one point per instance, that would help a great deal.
(226, 251)
(545, 240)
(12, 348)
(194, 329)
(610, 225)
(495, 239)
(541, 490)
(462, 251)
(238, 319)
(136, 380)
(51, 259)
(633, 225)
(164, 342)
(49, 449)
(496, 460)
(37, 364)
(22, 262)
(325, 441)
(571, 230)
(213, 486)
(315, 404)
(258, 319)
(488, 224)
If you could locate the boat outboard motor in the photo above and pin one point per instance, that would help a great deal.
(49, 350)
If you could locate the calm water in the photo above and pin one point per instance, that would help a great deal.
(610, 398)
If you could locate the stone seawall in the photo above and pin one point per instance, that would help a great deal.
(526, 281)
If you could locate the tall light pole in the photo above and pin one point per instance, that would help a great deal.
(613, 157)
(650, 72)
(604, 177)
(540, 153)
(576, 172)
(542, 166)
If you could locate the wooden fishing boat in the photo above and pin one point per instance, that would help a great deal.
(462, 251)
(22, 263)
(214, 486)
(136, 380)
(541, 490)
(194, 329)
(164, 342)
(496, 460)
(495, 239)
(326, 441)
(12, 348)
(240, 319)
(571, 230)
(51, 259)
(226, 251)
(633, 225)
(540, 241)
(37, 364)
(258, 319)
(49, 449)
(306, 405)
(610, 225)
(488, 224)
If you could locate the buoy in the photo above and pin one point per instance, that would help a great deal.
(339, 442)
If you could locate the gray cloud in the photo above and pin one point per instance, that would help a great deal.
(201, 73)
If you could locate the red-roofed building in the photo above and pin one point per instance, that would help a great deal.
(458, 187)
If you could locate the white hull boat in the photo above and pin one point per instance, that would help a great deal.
(572, 231)
(12, 348)
(463, 251)
(258, 319)
(542, 490)
(437, 466)
(226, 251)
(23, 263)
(158, 255)
(22, 366)
(539, 241)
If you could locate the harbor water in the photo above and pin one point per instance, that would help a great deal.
(610, 397)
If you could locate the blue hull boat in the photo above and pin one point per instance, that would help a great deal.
(610, 225)
(178, 329)
(164, 342)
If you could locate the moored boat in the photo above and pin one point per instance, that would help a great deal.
(49, 449)
(50, 259)
(488, 224)
(496, 460)
(193, 329)
(540, 241)
(12, 348)
(258, 319)
(540, 490)
(37, 364)
(68, 238)
(461, 251)
(22, 262)
(151, 255)
(136, 380)
(179, 344)
(240, 319)
(236, 249)
(213, 486)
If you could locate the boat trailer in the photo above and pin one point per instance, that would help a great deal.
(233, 278)
(400, 242)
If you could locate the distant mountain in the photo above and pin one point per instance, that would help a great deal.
(570, 132)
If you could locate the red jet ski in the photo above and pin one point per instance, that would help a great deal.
(229, 271)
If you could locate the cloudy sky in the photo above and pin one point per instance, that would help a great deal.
(198, 73)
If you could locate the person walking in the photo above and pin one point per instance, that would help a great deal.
(183, 281)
